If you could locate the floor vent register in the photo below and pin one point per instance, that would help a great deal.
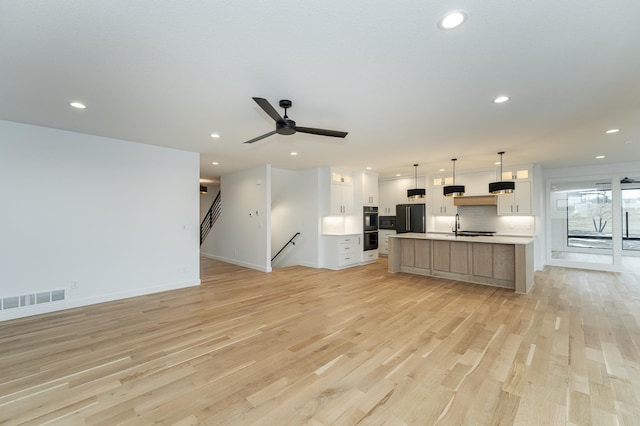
(25, 300)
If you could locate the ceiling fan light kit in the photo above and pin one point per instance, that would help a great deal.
(501, 187)
(453, 190)
(286, 126)
(416, 193)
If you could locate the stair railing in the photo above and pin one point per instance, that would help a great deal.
(210, 218)
(285, 246)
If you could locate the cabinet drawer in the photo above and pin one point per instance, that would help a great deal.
(348, 240)
(370, 255)
(347, 248)
(347, 259)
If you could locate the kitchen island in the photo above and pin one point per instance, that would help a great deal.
(497, 260)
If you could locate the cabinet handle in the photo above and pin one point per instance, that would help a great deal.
(517, 208)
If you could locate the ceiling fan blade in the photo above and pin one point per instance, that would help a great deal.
(321, 132)
(261, 137)
(266, 106)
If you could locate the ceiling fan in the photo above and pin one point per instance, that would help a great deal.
(623, 180)
(286, 126)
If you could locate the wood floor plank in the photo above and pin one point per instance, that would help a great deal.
(359, 346)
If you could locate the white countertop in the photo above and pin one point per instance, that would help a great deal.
(479, 239)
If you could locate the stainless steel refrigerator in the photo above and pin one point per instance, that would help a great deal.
(410, 218)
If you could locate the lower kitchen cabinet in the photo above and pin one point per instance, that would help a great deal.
(416, 254)
(494, 261)
(342, 251)
(369, 256)
(451, 256)
(383, 241)
(508, 265)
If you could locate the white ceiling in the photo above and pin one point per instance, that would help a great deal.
(170, 73)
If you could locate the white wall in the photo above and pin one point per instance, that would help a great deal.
(294, 208)
(113, 218)
(241, 236)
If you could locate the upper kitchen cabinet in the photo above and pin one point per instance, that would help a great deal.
(341, 201)
(394, 191)
(370, 194)
(517, 203)
(441, 205)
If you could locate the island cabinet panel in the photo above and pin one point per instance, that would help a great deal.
(504, 262)
(422, 254)
(407, 249)
(490, 262)
(441, 257)
(482, 260)
(459, 263)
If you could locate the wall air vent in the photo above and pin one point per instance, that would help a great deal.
(12, 302)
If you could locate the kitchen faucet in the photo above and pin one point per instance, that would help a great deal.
(456, 225)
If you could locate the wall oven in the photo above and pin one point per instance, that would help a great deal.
(370, 218)
(370, 227)
(370, 240)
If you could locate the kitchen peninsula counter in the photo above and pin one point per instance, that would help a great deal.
(501, 261)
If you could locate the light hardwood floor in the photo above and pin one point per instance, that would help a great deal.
(359, 346)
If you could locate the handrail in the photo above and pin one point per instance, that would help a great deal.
(285, 246)
(210, 218)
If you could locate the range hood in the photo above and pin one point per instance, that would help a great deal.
(476, 200)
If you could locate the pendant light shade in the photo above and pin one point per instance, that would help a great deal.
(203, 189)
(414, 194)
(453, 190)
(502, 186)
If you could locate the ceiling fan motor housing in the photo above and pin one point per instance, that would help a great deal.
(286, 127)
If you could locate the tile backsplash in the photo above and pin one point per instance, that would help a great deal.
(485, 218)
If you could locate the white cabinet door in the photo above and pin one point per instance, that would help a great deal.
(383, 240)
(341, 200)
(370, 189)
(386, 207)
(441, 205)
(342, 251)
(394, 191)
(517, 203)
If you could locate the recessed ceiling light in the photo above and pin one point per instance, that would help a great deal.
(442, 170)
(500, 99)
(497, 163)
(78, 105)
(215, 163)
(398, 175)
(452, 20)
(628, 142)
(612, 131)
(599, 157)
(293, 153)
(368, 168)
(215, 135)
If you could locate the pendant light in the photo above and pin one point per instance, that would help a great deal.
(414, 194)
(453, 190)
(501, 187)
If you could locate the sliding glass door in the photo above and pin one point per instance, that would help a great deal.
(582, 221)
(589, 222)
(630, 214)
(595, 221)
